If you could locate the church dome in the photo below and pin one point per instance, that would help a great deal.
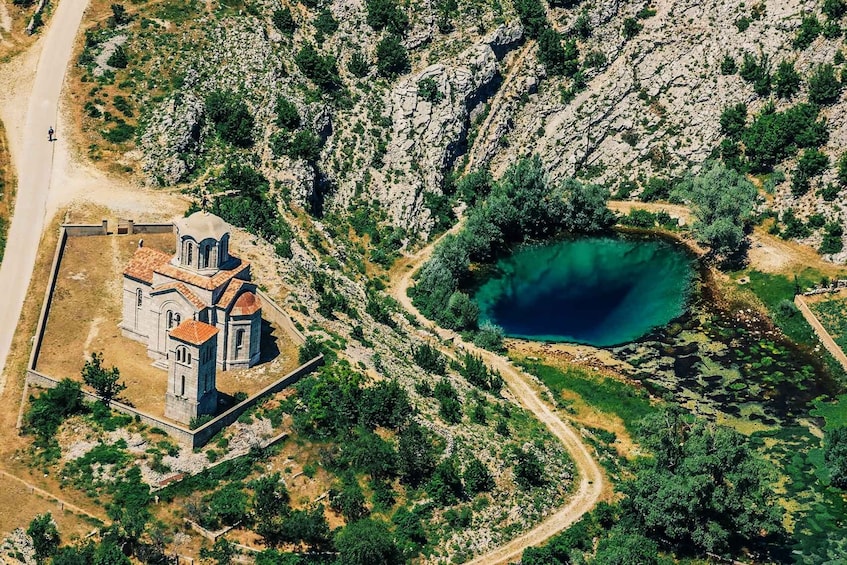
(247, 304)
(202, 225)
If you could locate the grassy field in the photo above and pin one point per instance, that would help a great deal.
(599, 391)
(830, 311)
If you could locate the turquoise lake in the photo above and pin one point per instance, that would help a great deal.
(600, 291)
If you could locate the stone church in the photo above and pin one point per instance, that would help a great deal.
(196, 311)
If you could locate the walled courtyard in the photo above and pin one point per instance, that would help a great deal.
(86, 310)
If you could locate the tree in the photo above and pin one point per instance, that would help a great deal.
(842, 169)
(722, 201)
(270, 497)
(532, 16)
(631, 27)
(358, 65)
(104, 381)
(348, 499)
(222, 551)
(824, 87)
(429, 359)
(810, 29)
(445, 486)
(416, 455)
(477, 477)
(386, 14)
(287, 116)
(624, 548)
(582, 207)
(119, 15)
(704, 489)
(558, 60)
(728, 65)
(231, 117)
(834, 9)
(119, 58)
(52, 407)
(320, 69)
(366, 542)
(45, 536)
(391, 57)
(786, 80)
(835, 456)
(284, 21)
(733, 119)
(528, 469)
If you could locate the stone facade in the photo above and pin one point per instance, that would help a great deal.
(199, 289)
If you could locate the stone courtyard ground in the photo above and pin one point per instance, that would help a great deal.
(86, 311)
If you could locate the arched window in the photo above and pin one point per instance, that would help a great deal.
(189, 253)
(182, 388)
(207, 250)
(170, 319)
(139, 297)
(239, 339)
(177, 319)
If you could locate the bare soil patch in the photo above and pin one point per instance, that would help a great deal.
(86, 311)
(19, 506)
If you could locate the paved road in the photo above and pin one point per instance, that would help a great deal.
(34, 166)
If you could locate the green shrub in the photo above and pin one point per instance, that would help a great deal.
(119, 58)
(287, 116)
(773, 136)
(386, 14)
(391, 57)
(429, 359)
(728, 65)
(631, 27)
(810, 29)
(284, 21)
(558, 60)
(52, 407)
(824, 87)
(786, 80)
(119, 134)
(325, 24)
(832, 242)
(320, 69)
(232, 119)
(428, 90)
(358, 65)
(532, 16)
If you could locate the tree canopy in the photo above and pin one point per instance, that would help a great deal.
(722, 201)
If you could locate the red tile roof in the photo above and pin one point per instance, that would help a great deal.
(248, 303)
(144, 261)
(183, 290)
(230, 293)
(206, 283)
(194, 332)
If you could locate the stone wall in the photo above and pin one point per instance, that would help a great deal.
(193, 438)
(200, 436)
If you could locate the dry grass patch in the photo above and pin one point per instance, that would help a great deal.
(86, 311)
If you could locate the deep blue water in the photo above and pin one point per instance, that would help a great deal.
(600, 291)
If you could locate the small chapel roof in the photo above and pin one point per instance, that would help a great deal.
(201, 281)
(230, 293)
(194, 332)
(184, 291)
(144, 262)
(248, 303)
(202, 225)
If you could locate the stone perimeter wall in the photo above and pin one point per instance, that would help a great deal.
(193, 438)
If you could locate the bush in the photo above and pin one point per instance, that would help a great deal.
(120, 133)
(533, 17)
(232, 119)
(52, 407)
(558, 60)
(284, 21)
(786, 80)
(477, 477)
(305, 145)
(358, 65)
(639, 219)
(774, 136)
(429, 359)
(835, 456)
(810, 29)
(310, 349)
(834, 9)
(824, 87)
(733, 120)
(287, 116)
(450, 407)
(728, 65)
(631, 27)
(119, 15)
(119, 58)
(832, 242)
(320, 69)
(386, 14)
(428, 90)
(325, 24)
(391, 57)
(45, 536)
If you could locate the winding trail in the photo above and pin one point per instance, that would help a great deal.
(591, 478)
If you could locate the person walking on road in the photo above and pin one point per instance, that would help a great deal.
(50, 134)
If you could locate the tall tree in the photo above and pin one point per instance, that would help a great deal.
(106, 382)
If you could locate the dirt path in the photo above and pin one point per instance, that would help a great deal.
(677, 211)
(591, 479)
(821, 332)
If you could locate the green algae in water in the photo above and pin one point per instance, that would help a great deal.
(600, 291)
